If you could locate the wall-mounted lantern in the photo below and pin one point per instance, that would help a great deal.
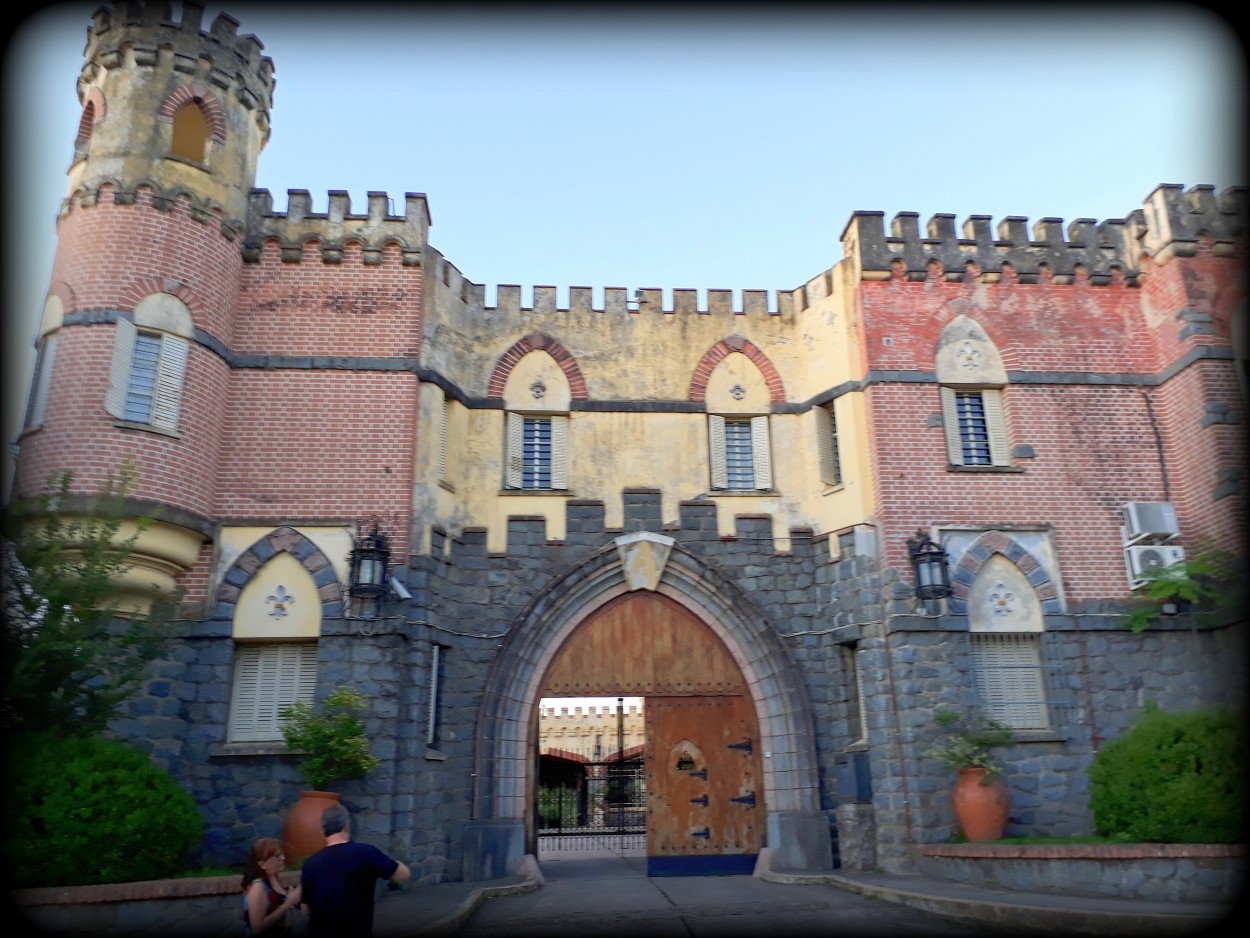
(929, 563)
(367, 580)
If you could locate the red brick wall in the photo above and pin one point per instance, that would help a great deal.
(1096, 447)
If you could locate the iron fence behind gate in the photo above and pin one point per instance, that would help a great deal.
(604, 807)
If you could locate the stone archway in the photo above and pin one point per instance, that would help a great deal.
(797, 832)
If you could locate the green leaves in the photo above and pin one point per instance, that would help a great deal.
(91, 810)
(1172, 778)
(69, 659)
(1206, 579)
(333, 740)
(967, 743)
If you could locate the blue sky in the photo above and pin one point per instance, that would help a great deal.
(683, 146)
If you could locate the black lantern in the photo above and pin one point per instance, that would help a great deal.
(928, 560)
(370, 559)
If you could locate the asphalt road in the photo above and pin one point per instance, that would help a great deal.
(601, 895)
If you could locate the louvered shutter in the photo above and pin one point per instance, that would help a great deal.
(442, 441)
(859, 694)
(43, 378)
(716, 450)
(169, 375)
(996, 426)
(1009, 678)
(267, 680)
(761, 453)
(824, 445)
(514, 456)
(119, 369)
(559, 452)
(950, 420)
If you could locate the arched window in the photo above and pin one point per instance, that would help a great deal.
(190, 132)
(149, 362)
(972, 376)
(45, 352)
(86, 124)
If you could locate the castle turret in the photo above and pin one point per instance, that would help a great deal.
(133, 347)
(172, 107)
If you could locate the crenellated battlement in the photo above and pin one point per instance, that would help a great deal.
(577, 714)
(1172, 222)
(337, 226)
(143, 31)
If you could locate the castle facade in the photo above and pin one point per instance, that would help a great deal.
(719, 501)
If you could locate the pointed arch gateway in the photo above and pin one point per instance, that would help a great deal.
(692, 636)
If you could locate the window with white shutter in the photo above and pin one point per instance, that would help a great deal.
(146, 376)
(267, 680)
(739, 453)
(537, 452)
(976, 432)
(1008, 672)
(827, 446)
(42, 379)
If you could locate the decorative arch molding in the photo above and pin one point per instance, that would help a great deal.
(65, 293)
(978, 553)
(565, 755)
(280, 540)
(141, 289)
(718, 352)
(189, 94)
(532, 342)
(94, 110)
(796, 828)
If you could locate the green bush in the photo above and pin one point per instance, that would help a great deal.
(1172, 778)
(90, 810)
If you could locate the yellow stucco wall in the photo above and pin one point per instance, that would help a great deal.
(645, 359)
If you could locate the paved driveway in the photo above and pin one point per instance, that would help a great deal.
(600, 895)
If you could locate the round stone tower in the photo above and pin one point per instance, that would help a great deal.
(134, 345)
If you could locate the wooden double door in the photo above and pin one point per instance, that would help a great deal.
(705, 804)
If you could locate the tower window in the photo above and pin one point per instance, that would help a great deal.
(146, 376)
(827, 446)
(190, 132)
(976, 433)
(537, 452)
(738, 449)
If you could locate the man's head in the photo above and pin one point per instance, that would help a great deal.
(335, 820)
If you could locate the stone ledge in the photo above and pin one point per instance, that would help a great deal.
(145, 889)
(1082, 851)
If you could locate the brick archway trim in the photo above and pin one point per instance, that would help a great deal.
(141, 289)
(979, 553)
(721, 350)
(188, 93)
(279, 540)
(532, 342)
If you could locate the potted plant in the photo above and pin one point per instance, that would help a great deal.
(332, 746)
(980, 798)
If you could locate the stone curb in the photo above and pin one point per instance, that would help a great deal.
(1018, 916)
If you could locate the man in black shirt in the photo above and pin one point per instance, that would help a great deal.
(338, 880)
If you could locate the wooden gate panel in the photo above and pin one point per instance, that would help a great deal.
(704, 797)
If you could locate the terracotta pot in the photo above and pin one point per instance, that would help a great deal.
(301, 834)
(980, 806)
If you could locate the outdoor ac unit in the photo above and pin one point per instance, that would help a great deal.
(1143, 560)
(1150, 520)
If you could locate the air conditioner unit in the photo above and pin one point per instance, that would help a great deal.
(1143, 560)
(1150, 520)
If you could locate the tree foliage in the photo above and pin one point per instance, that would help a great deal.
(1206, 581)
(68, 658)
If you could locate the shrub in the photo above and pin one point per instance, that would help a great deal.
(332, 741)
(88, 810)
(1172, 778)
